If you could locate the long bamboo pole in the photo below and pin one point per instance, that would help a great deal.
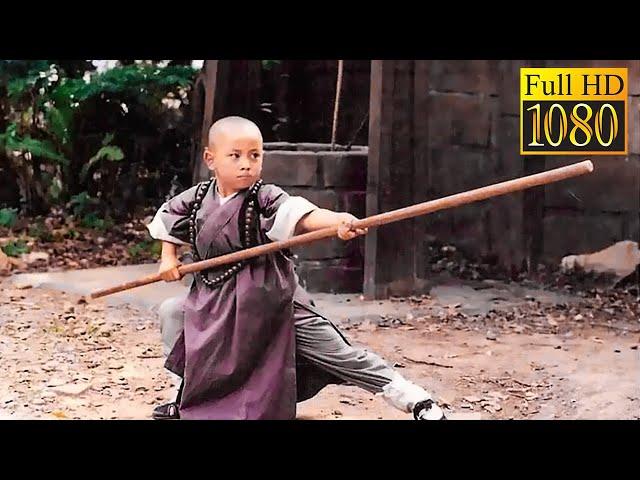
(417, 210)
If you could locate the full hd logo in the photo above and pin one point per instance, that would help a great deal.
(573, 111)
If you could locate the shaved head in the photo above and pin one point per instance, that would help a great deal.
(231, 127)
(234, 153)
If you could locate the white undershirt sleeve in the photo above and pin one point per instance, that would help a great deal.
(158, 230)
(288, 216)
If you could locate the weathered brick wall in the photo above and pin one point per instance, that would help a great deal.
(592, 212)
(471, 135)
(473, 114)
(335, 180)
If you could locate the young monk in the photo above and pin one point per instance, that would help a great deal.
(252, 344)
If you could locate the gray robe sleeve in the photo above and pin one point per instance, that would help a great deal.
(281, 212)
(171, 222)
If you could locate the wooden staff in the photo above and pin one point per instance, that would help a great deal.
(419, 209)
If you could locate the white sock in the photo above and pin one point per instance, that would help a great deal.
(434, 413)
(403, 394)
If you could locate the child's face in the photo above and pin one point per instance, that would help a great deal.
(235, 159)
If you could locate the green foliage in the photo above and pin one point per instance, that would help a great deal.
(107, 152)
(8, 217)
(59, 123)
(72, 233)
(81, 203)
(39, 231)
(92, 220)
(15, 248)
(21, 76)
(18, 86)
(140, 82)
(50, 109)
(13, 142)
(152, 247)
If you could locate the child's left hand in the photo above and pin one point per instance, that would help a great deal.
(345, 231)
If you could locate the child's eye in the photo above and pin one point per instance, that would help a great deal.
(256, 156)
(234, 155)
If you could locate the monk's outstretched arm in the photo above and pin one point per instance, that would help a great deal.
(322, 218)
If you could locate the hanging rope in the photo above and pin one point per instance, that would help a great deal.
(336, 105)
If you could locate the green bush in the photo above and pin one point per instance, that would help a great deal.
(8, 217)
(15, 248)
(151, 246)
(62, 134)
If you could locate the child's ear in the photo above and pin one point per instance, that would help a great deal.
(208, 158)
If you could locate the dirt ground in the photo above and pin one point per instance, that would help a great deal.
(63, 358)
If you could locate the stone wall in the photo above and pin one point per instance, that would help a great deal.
(334, 180)
(592, 212)
(473, 140)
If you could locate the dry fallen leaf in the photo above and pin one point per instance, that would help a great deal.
(367, 327)
(34, 257)
(472, 399)
(451, 308)
(5, 264)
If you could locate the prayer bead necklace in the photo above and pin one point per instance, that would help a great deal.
(251, 213)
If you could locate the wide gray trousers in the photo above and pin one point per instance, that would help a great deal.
(321, 348)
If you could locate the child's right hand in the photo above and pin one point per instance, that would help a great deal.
(168, 269)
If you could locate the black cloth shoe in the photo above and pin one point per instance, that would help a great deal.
(169, 411)
(428, 410)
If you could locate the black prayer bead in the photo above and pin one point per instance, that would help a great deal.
(201, 192)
